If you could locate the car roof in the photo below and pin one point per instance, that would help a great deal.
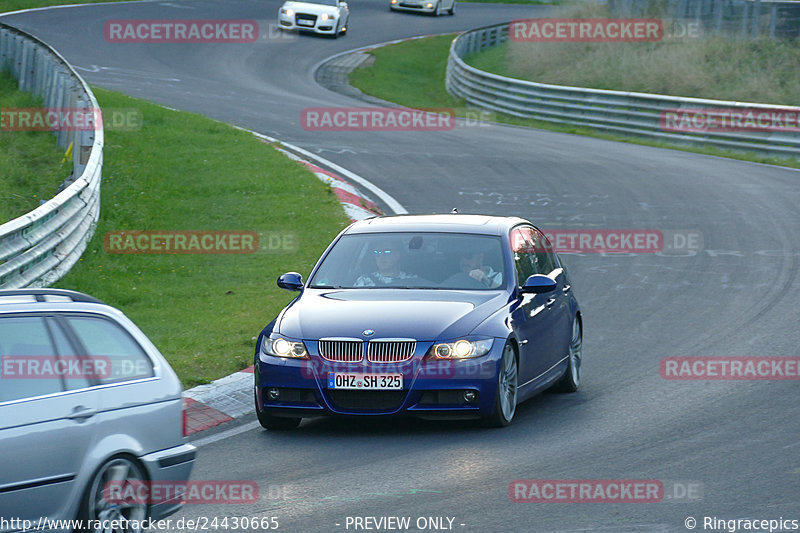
(451, 223)
(16, 300)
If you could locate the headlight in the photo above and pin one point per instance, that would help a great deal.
(460, 349)
(287, 11)
(281, 347)
(325, 16)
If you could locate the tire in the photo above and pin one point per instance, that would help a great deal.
(123, 469)
(275, 423)
(438, 11)
(505, 404)
(452, 10)
(572, 376)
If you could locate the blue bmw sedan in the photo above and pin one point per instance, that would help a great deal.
(434, 316)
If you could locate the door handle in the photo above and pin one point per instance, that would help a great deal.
(82, 413)
(550, 302)
(566, 289)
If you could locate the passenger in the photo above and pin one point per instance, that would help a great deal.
(471, 263)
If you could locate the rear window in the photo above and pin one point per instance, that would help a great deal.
(106, 341)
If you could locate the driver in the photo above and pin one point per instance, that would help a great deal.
(387, 261)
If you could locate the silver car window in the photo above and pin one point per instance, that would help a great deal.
(27, 358)
(108, 342)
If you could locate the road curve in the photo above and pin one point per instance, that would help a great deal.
(737, 297)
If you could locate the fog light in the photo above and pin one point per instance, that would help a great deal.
(273, 394)
(470, 396)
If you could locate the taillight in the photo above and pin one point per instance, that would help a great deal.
(184, 423)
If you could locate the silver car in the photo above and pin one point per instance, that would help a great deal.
(86, 402)
(431, 7)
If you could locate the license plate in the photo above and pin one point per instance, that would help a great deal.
(304, 22)
(356, 381)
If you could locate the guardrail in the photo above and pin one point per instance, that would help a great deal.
(38, 248)
(628, 113)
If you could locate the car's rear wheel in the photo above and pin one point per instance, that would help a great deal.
(572, 377)
(506, 398)
(275, 423)
(108, 486)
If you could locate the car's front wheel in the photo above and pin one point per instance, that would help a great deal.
(572, 376)
(438, 11)
(452, 10)
(113, 477)
(275, 423)
(506, 398)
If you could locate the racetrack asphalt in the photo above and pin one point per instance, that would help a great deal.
(735, 297)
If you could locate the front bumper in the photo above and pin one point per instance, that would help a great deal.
(414, 5)
(316, 25)
(431, 389)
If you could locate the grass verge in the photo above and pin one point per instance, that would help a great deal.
(421, 63)
(31, 163)
(16, 5)
(181, 171)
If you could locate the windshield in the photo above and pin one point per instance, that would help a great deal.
(323, 2)
(413, 260)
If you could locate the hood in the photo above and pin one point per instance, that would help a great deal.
(424, 315)
(310, 7)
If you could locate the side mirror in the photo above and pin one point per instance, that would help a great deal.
(538, 284)
(291, 281)
(343, 4)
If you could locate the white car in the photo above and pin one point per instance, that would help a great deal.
(328, 17)
(435, 7)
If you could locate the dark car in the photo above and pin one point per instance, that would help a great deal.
(431, 316)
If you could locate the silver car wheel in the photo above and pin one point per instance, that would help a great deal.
(121, 471)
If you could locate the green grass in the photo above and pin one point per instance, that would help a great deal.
(31, 162)
(15, 5)
(182, 171)
(421, 63)
(529, 2)
(761, 71)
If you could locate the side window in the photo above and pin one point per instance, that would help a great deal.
(118, 356)
(27, 359)
(545, 258)
(523, 246)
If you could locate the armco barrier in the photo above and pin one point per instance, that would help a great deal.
(628, 113)
(38, 248)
